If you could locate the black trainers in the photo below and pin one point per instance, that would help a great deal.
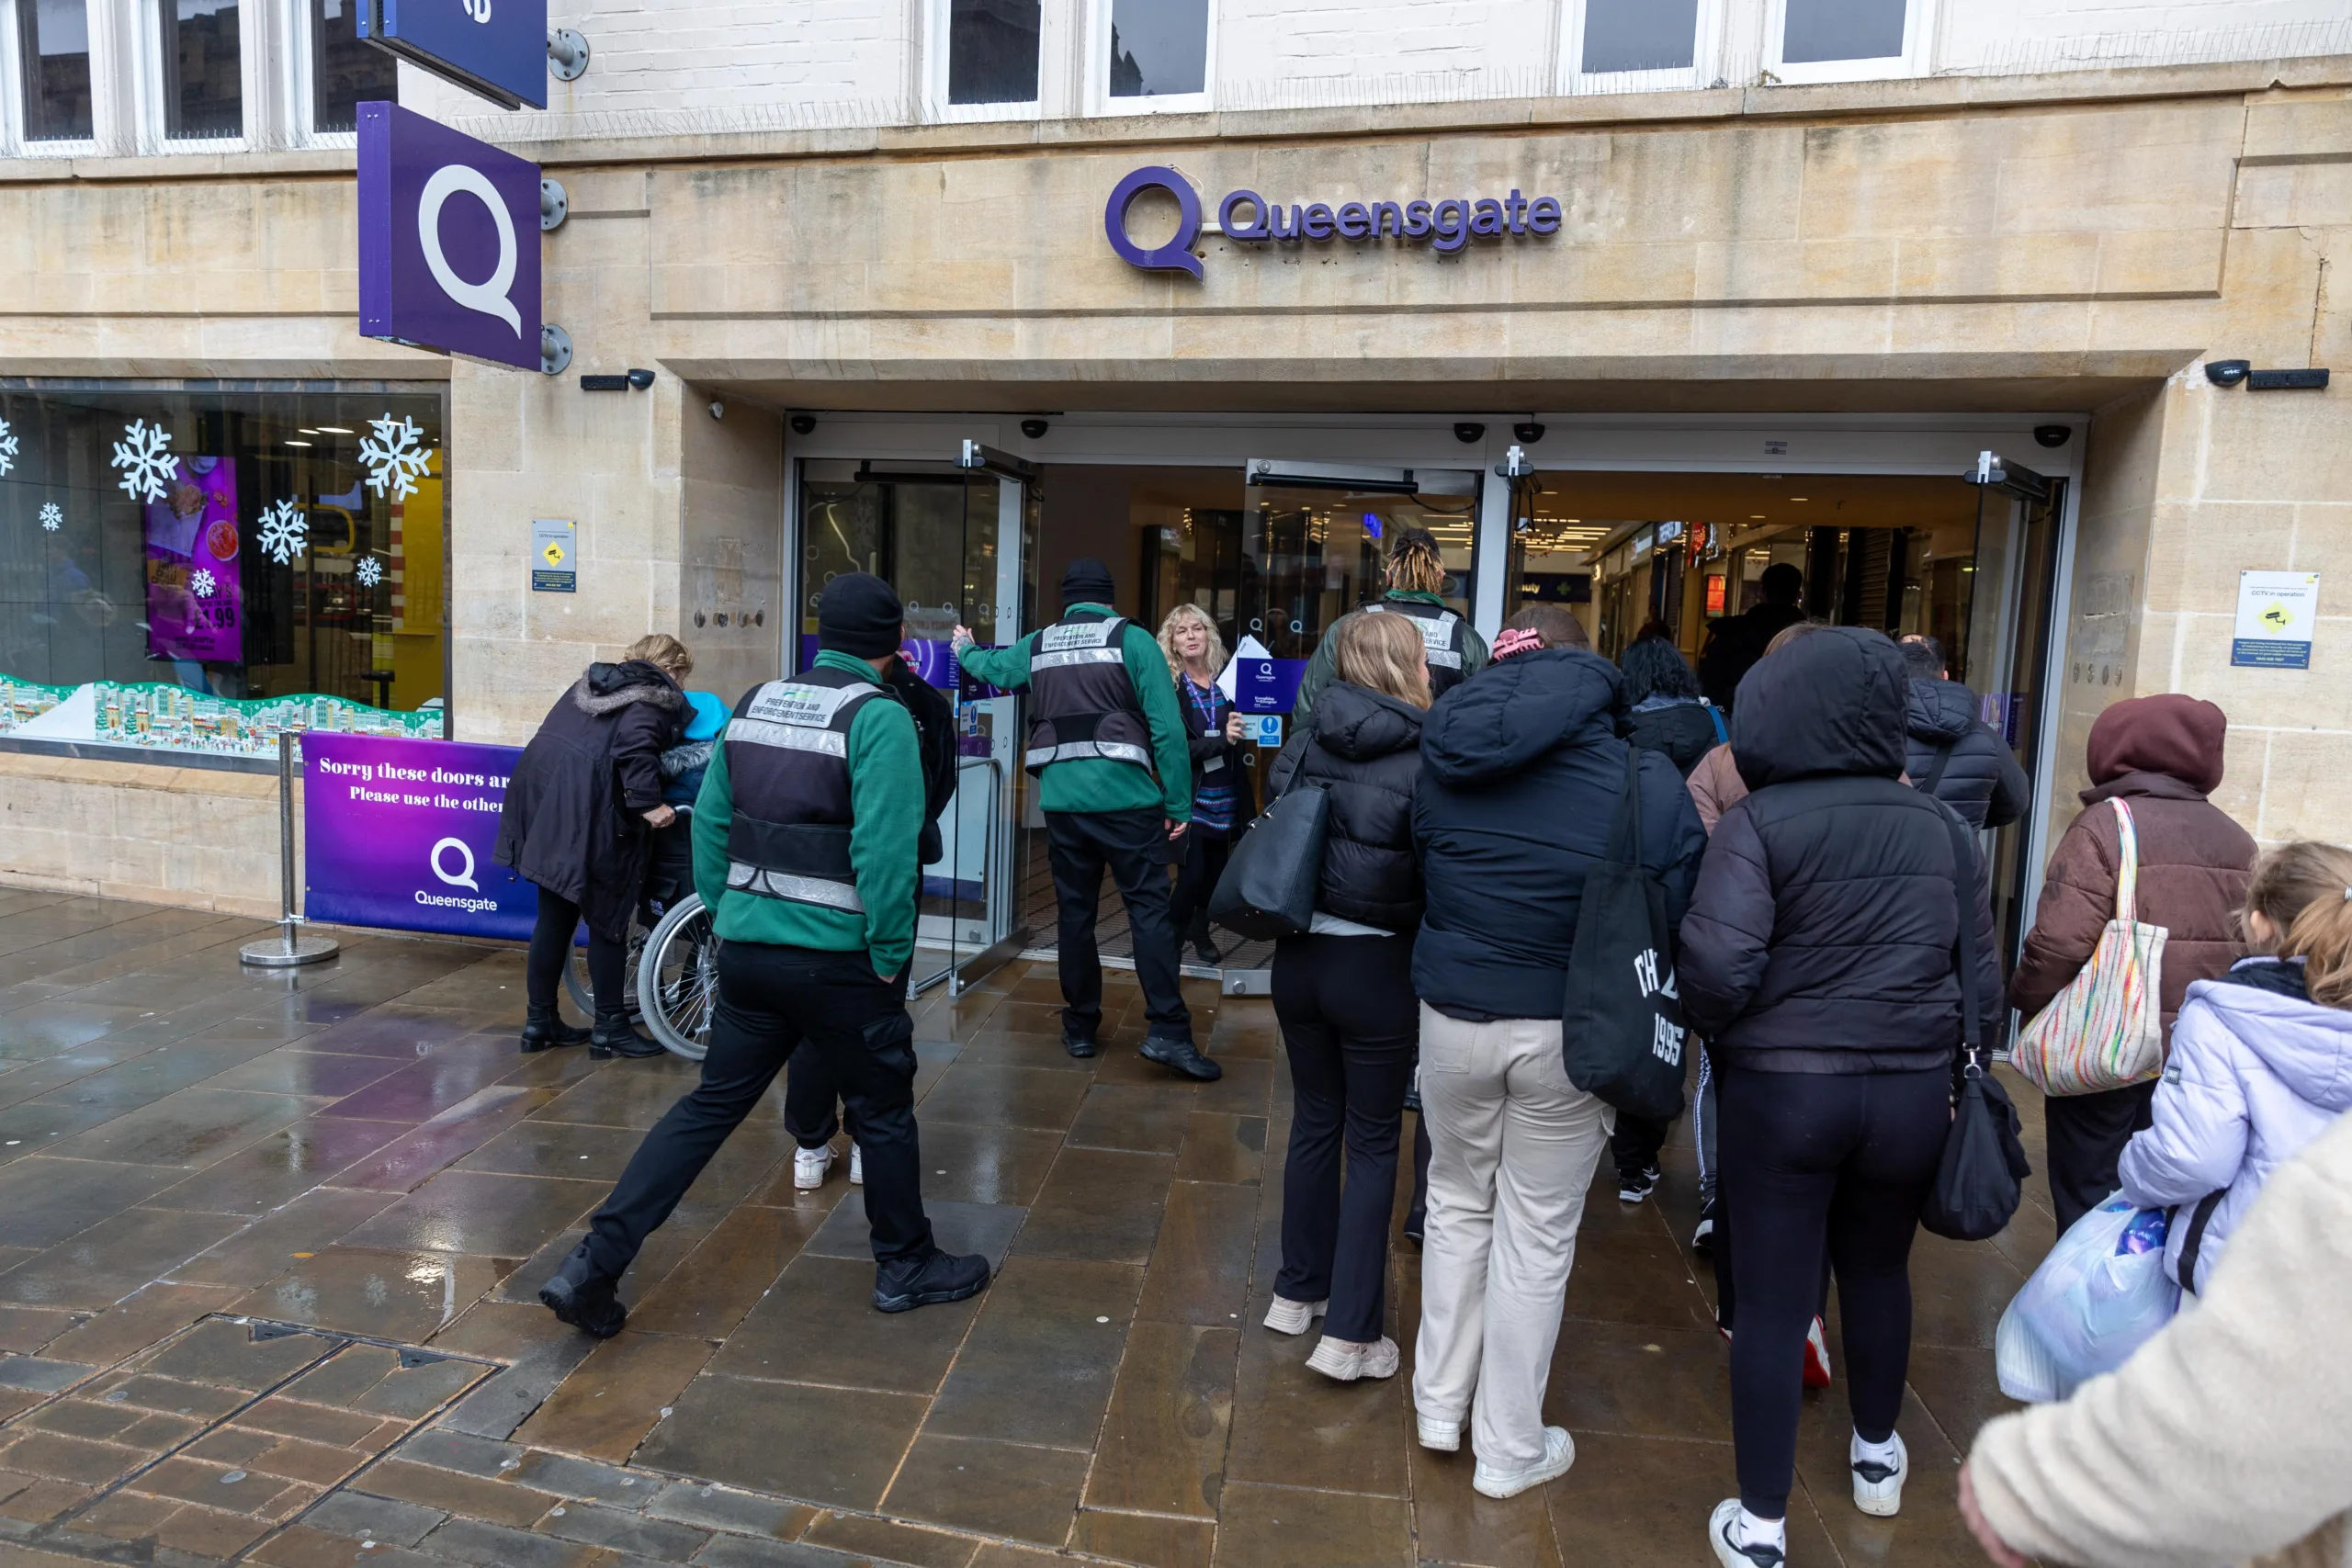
(616, 1036)
(907, 1283)
(584, 1297)
(1080, 1045)
(544, 1029)
(1182, 1057)
(1632, 1185)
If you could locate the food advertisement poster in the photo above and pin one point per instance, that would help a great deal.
(195, 590)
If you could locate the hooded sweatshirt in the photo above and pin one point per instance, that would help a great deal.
(1981, 780)
(1824, 934)
(2257, 1071)
(2163, 755)
(1522, 771)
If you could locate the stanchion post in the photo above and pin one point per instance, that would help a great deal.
(290, 948)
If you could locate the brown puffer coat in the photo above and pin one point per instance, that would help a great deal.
(2163, 755)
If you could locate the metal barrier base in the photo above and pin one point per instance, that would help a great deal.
(287, 951)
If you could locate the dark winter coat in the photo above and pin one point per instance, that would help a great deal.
(1521, 773)
(1681, 732)
(1364, 748)
(1733, 645)
(575, 815)
(1982, 780)
(1208, 750)
(1823, 936)
(2163, 755)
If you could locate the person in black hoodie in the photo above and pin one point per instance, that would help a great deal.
(1948, 752)
(1343, 993)
(1522, 772)
(1819, 957)
(577, 821)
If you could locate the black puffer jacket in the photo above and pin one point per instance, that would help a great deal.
(1681, 732)
(1365, 748)
(574, 818)
(1981, 780)
(1823, 937)
(1521, 773)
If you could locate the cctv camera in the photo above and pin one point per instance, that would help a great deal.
(1467, 432)
(1528, 432)
(802, 423)
(2053, 434)
(1035, 429)
(718, 409)
(2227, 372)
(641, 379)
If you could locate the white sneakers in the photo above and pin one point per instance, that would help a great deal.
(1344, 1360)
(1747, 1543)
(1880, 1471)
(1559, 1452)
(809, 1166)
(1292, 1317)
(1438, 1437)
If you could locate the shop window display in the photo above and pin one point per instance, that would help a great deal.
(197, 571)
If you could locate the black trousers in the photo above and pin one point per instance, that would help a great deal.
(771, 999)
(1196, 874)
(1134, 844)
(550, 950)
(1815, 1161)
(1636, 1142)
(809, 1096)
(2086, 1134)
(1351, 1025)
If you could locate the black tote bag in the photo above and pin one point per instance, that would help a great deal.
(1621, 1027)
(1979, 1181)
(1270, 880)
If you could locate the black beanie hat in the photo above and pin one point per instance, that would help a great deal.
(1088, 581)
(858, 614)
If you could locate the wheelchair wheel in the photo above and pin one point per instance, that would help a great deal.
(575, 975)
(677, 979)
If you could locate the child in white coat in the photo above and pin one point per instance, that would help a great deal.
(2261, 1060)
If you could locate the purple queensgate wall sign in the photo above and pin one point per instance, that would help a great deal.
(397, 834)
(1446, 226)
(495, 47)
(449, 240)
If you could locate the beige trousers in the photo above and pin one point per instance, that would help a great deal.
(1512, 1149)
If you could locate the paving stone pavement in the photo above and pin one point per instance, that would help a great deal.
(268, 1245)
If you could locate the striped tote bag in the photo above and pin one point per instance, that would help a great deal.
(2106, 1029)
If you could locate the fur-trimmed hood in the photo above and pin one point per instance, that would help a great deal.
(608, 688)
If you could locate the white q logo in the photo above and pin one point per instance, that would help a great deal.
(478, 10)
(488, 297)
(465, 877)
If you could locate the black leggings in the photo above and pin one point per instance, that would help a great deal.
(1813, 1160)
(552, 950)
(1204, 863)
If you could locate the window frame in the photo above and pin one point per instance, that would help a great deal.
(301, 79)
(1706, 55)
(14, 109)
(937, 27)
(253, 83)
(1097, 76)
(1918, 39)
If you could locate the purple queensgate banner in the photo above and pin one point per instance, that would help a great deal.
(449, 240)
(397, 834)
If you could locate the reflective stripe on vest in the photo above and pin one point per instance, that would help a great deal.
(787, 774)
(1440, 641)
(1084, 706)
(745, 878)
(1086, 750)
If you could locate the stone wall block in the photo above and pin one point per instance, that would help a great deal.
(2195, 551)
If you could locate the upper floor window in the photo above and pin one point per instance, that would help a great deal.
(345, 70)
(53, 39)
(1159, 49)
(1843, 39)
(1642, 44)
(992, 51)
(203, 70)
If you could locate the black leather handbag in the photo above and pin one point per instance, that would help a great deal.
(1270, 878)
(1980, 1180)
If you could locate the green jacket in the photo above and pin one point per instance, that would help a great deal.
(886, 822)
(1324, 666)
(1097, 784)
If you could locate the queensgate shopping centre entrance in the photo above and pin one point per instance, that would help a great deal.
(1942, 345)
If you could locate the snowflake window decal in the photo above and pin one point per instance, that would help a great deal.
(202, 584)
(144, 455)
(53, 516)
(395, 456)
(284, 532)
(7, 446)
(368, 571)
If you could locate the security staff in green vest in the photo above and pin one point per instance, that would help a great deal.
(1416, 576)
(805, 841)
(1116, 784)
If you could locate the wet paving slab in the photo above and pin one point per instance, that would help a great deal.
(269, 1245)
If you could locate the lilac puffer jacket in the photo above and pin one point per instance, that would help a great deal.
(2256, 1072)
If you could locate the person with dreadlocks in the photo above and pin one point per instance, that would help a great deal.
(1416, 578)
